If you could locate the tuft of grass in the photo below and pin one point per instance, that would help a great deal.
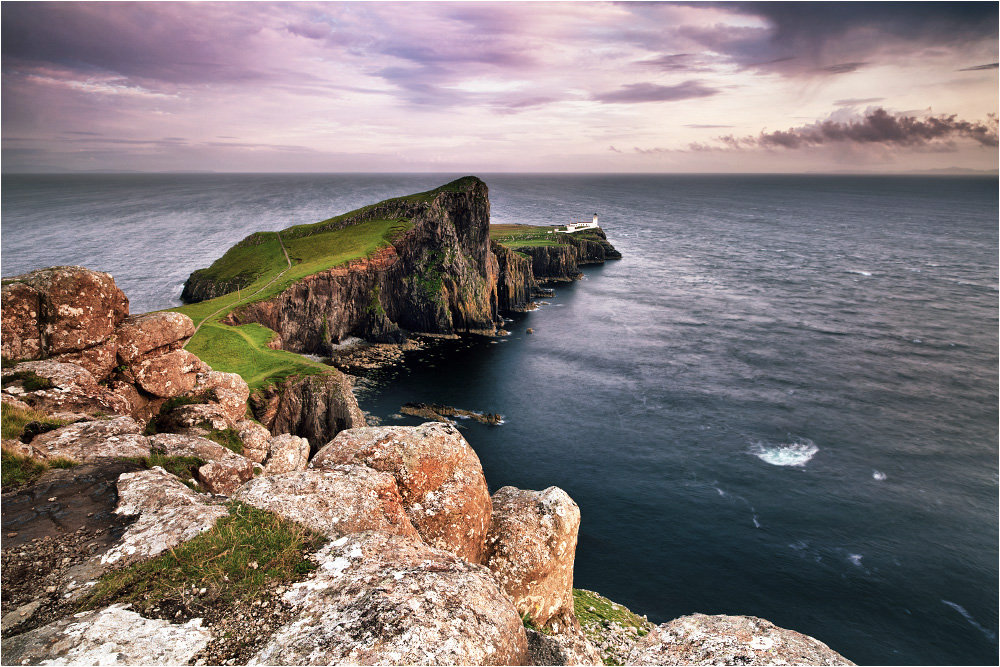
(235, 560)
(182, 467)
(19, 470)
(29, 380)
(228, 438)
(605, 610)
(14, 420)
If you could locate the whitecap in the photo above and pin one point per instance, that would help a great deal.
(855, 558)
(880, 476)
(860, 273)
(796, 453)
(968, 617)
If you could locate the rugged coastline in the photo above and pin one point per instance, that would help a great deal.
(136, 450)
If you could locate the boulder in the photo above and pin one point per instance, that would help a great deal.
(169, 375)
(439, 476)
(151, 490)
(335, 502)
(152, 334)
(286, 453)
(256, 439)
(531, 548)
(100, 360)
(381, 599)
(195, 419)
(57, 310)
(230, 392)
(163, 529)
(729, 640)
(92, 440)
(225, 471)
(568, 648)
(108, 636)
(74, 389)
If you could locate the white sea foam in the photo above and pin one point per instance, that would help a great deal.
(961, 610)
(855, 558)
(860, 273)
(796, 453)
(880, 476)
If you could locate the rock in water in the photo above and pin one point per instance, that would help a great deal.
(531, 548)
(439, 476)
(729, 640)
(380, 599)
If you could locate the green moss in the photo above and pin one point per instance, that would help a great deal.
(29, 380)
(228, 438)
(235, 560)
(592, 609)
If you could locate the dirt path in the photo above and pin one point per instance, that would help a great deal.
(248, 296)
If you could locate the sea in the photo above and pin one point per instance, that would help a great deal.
(782, 402)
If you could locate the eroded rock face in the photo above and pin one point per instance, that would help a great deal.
(92, 440)
(439, 476)
(57, 310)
(74, 389)
(317, 407)
(152, 334)
(109, 636)
(286, 453)
(225, 471)
(170, 374)
(335, 502)
(531, 548)
(380, 599)
(729, 640)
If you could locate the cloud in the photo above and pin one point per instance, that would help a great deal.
(980, 67)
(851, 102)
(876, 127)
(842, 68)
(651, 92)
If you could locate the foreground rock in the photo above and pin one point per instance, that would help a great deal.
(531, 548)
(71, 388)
(91, 440)
(380, 599)
(335, 502)
(439, 476)
(730, 640)
(107, 637)
(225, 471)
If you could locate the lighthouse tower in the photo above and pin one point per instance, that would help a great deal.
(595, 220)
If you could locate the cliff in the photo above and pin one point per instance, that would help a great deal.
(560, 261)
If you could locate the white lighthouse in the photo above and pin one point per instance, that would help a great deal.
(595, 220)
(577, 226)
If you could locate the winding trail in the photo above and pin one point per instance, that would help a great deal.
(248, 296)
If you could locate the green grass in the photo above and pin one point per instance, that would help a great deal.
(515, 236)
(19, 470)
(14, 419)
(29, 380)
(228, 438)
(605, 610)
(182, 467)
(234, 560)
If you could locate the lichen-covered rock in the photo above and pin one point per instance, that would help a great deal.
(100, 359)
(109, 636)
(531, 548)
(729, 640)
(286, 453)
(225, 471)
(335, 502)
(151, 490)
(230, 392)
(255, 438)
(170, 374)
(380, 599)
(157, 531)
(74, 389)
(568, 648)
(152, 334)
(195, 419)
(92, 440)
(440, 479)
(57, 310)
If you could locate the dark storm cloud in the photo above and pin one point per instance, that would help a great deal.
(980, 67)
(876, 127)
(652, 92)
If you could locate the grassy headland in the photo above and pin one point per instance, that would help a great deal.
(258, 263)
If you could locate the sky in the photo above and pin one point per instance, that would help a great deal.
(481, 87)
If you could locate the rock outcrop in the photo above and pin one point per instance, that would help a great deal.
(730, 640)
(389, 600)
(316, 407)
(93, 440)
(439, 475)
(531, 547)
(561, 262)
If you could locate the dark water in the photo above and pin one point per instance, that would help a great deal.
(782, 402)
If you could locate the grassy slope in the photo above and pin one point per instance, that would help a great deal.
(312, 248)
(519, 236)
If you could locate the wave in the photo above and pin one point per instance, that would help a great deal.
(858, 272)
(968, 617)
(880, 476)
(796, 453)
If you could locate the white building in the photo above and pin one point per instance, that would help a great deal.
(577, 226)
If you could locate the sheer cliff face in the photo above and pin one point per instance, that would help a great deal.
(439, 277)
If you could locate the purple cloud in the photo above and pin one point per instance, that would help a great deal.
(980, 67)
(651, 92)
